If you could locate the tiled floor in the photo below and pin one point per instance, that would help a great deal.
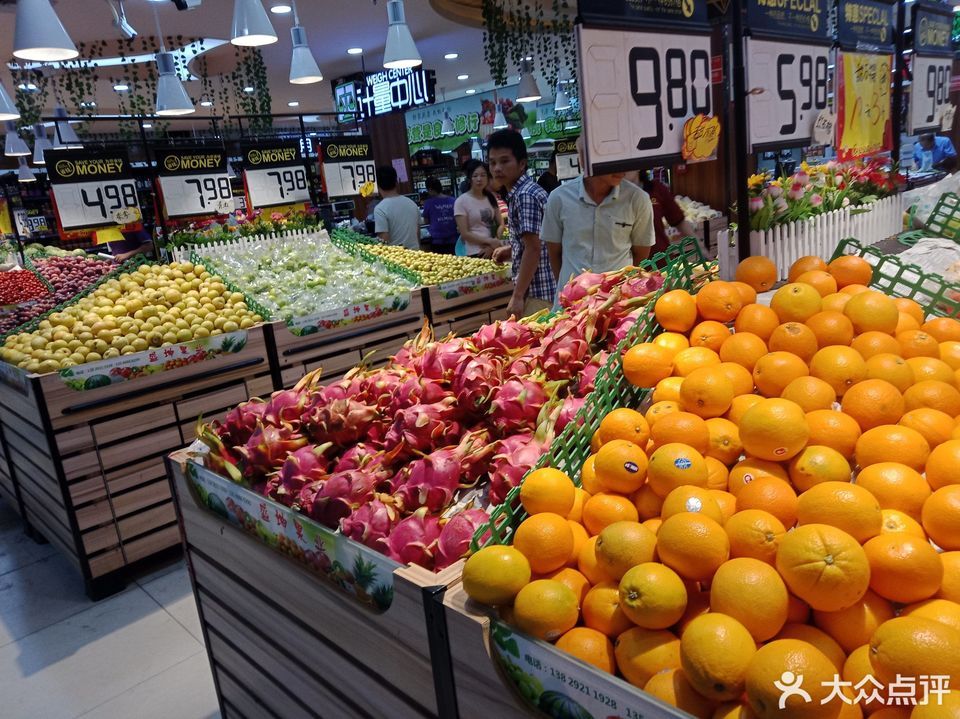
(137, 654)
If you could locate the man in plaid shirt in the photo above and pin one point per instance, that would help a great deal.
(534, 283)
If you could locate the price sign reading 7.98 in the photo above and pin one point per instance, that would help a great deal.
(638, 90)
(787, 86)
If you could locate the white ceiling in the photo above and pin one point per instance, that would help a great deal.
(332, 27)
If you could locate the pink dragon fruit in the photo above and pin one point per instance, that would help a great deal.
(579, 287)
(506, 336)
(622, 329)
(240, 423)
(476, 380)
(383, 386)
(456, 534)
(516, 455)
(411, 354)
(267, 449)
(566, 348)
(588, 375)
(354, 386)
(441, 359)
(370, 524)
(416, 390)
(641, 285)
(517, 403)
(568, 411)
(220, 458)
(422, 427)
(341, 421)
(527, 363)
(334, 498)
(414, 539)
(303, 467)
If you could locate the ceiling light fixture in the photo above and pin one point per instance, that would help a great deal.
(205, 101)
(293, 103)
(248, 89)
(561, 101)
(400, 50)
(451, 56)
(41, 144)
(525, 134)
(14, 146)
(120, 20)
(172, 97)
(251, 24)
(471, 91)
(147, 125)
(564, 76)
(40, 35)
(8, 108)
(280, 9)
(463, 77)
(24, 173)
(527, 90)
(63, 133)
(303, 66)
(499, 121)
(446, 127)
(121, 87)
(354, 51)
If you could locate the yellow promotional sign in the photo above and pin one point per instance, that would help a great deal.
(864, 125)
(6, 225)
(701, 135)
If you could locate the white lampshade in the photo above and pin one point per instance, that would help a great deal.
(303, 66)
(251, 24)
(63, 134)
(527, 90)
(14, 146)
(499, 121)
(562, 102)
(564, 76)
(447, 127)
(41, 144)
(172, 98)
(8, 108)
(525, 134)
(40, 36)
(24, 173)
(400, 50)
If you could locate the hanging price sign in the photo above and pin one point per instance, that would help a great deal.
(932, 63)
(638, 91)
(92, 189)
(347, 165)
(275, 175)
(787, 89)
(866, 25)
(568, 160)
(194, 182)
(863, 106)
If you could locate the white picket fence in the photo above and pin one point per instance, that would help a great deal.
(214, 249)
(819, 235)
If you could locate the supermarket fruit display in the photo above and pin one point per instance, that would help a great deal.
(384, 454)
(765, 509)
(68, 275)
(152, 306)
(19, 285)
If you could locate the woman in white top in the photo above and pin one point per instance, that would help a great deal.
(477, 213)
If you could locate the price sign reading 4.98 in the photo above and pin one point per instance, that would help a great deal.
(930, 91)
(275, 175)
(638, 89)
(92, 189)
(347, 164)
(195, 182)
(787, 86)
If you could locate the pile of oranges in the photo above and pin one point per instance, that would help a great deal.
(789, 500)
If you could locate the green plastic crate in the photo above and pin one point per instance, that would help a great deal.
(945, 218)
(896, 278)
(683, 267)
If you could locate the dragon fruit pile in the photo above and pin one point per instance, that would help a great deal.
(394, 457)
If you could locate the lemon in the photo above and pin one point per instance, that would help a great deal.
(495, 575)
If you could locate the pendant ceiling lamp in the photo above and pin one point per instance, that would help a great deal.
(14, 146)
(562, 102)
(528, 90)
(400, 50)
(8, 108)
(499, 121)
(63, 134)
(39, 35)
(446, 127)
(251, 24)
(41, 144)
(525, 134)
(172, 98)
(24, 173)
(303, 66)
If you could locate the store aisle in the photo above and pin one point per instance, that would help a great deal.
(139, 653)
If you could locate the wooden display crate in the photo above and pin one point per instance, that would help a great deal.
(340, 349)
(294, 636)
(463, 306)
(87, 467)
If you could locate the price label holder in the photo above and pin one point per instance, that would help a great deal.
(824, 129)
(194, 182)
(92, 189)
(932, 63)
(274, 174)
(568, 160)
(347, 165)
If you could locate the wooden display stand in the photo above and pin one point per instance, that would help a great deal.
(284, 641)
(338, 351)
(464, 306)
(85, 469)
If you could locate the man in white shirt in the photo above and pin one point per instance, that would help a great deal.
(597, 223)
(396, 218)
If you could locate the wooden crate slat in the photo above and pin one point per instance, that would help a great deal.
(25, 470)
(75, 439)
(238, 688)
(261, 386)
(335, 365)
(133, 475)
(35, 515)
(292, 374)
(8, 494)
(160, 440)
(96, 540)
(54, 519)
(23, 406)
(152, 543)
(82, 465)
(188, 430)
(37, 457)
(286, 648)
(133, 423)
(93, 515)
(190, 409)
(136, 499)
(136, 524)
(109, 561)
(87, 490)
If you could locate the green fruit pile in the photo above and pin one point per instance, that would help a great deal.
(433, 268)
(155, 306)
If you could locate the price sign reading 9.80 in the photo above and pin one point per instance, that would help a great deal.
(787, 86)
(930, 91)
(278, 186)
(638, 90)
(94, 204)
(186, 195)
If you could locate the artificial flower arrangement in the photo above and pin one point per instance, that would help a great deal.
(816, 189)
(239, 224)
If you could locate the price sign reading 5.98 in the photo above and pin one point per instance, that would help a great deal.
(787, 86)
(278, 186)
(638, 90)
(187, 195)
(930, 91)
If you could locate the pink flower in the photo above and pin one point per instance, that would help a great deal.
(816, 200)
(796, 191)
(801, 178)
(774, 191)
(756, 204)
(780, 205)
